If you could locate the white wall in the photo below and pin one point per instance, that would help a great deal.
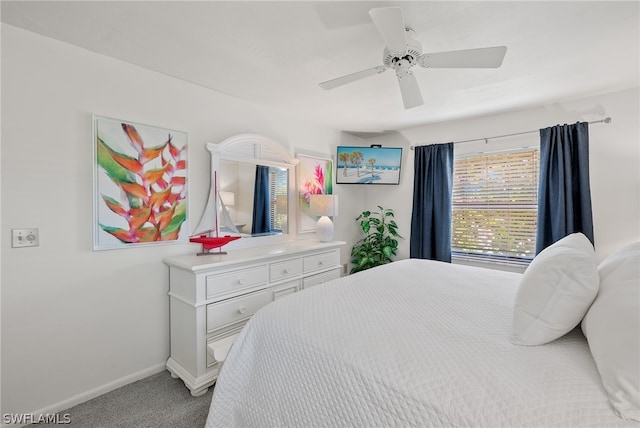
(76, 322)
(614, 159)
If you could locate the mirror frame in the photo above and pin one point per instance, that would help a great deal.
(258, 150)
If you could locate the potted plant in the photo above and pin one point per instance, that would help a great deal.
(379, 243)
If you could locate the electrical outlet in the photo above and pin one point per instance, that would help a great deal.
(25, 238)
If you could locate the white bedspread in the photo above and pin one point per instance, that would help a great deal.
(413, 343)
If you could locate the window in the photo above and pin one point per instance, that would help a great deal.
(278, 185)
(495, 201)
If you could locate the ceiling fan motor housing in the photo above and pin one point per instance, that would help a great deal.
(411, 55)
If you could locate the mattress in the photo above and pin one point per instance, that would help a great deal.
(412, 343)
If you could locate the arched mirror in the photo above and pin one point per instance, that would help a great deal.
(252, 191)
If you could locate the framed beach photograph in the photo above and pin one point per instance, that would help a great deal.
(368, 165)
(140, 184)
(315, 177)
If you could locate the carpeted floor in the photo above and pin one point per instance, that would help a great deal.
(158, 401)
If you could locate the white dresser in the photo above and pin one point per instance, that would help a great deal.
(212, 297)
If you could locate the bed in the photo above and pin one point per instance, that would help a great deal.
(412, 343)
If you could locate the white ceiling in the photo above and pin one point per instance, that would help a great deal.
(276, 53)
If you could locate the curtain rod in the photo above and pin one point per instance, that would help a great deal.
(486, 139)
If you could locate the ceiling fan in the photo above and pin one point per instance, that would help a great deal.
(403, 51)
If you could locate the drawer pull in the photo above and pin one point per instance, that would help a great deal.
(286, 271)
(242, 309)
(320, 262)
(241, 281)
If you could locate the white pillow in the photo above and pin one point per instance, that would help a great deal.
(612, 327)
(555, 291)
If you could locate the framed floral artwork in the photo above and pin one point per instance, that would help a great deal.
(315, 176)
(140, 184)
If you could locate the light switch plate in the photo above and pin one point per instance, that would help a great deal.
(25, 238)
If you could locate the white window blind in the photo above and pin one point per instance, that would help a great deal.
(495, 198)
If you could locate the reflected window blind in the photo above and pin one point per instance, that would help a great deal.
(278, 185)
(495, 198)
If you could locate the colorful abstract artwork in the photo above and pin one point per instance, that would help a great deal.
(140, 184)
(315, 176)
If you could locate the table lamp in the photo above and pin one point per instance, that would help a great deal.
(324, 206)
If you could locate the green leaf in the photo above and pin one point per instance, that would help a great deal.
(119, 233)
(178, 218)
(115, 206)
(388, 251)
(113, 169)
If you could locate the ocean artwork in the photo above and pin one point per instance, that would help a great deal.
(368, 165)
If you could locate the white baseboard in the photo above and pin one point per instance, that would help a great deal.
(93, 393)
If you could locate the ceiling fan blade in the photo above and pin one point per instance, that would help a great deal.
(334, 83)
(390, 24)
(409, 89)
(469, 58)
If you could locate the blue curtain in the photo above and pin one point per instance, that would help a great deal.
(564, 196)
(431, 216)
(261, 208)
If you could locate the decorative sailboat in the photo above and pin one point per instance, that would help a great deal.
(209, 237)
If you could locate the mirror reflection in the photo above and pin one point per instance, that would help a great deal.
(252, 199)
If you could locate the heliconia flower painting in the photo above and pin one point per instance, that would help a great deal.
(315, 177)
(140, 184)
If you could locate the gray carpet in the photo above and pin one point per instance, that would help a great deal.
(158, 401)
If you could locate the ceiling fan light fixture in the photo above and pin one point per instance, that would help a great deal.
(413, 51)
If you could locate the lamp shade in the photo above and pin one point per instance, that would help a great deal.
(323, 205)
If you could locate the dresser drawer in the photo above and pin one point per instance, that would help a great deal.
(312, 280)
(237, 309)
(236, 280)
(218, 348)
(285, 289)
(285, 269)
(320, 261)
